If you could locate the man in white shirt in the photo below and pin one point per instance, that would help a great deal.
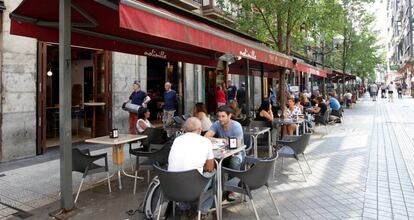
(192, 151)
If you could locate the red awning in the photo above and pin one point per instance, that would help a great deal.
(138, 27)
(302, 67)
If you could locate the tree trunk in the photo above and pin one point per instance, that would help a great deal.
(282, 91)
(279, 32)
(288, 31)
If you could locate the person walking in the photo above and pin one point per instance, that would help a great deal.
(231, 91)
(170, 103)
(220, 96)
(374, 91)
(399, 90)
(383, 90)
(137, 97)
(241, 96)
(391, 88)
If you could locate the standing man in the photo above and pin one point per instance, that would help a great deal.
(170, 103)
(192, 151)
(374, 91)
(231, 91)
(137, 97)
(241, 97)
(391, 89)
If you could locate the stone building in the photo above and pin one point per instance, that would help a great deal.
(29, 102)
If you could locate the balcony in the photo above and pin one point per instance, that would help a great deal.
(211, 10)
(187, 4)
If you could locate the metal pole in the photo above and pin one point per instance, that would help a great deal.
(247, 82)
(65, 100)
(262, 83)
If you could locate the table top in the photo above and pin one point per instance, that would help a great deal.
(224, 152)
(122, 139)
(288, 121)
(94, 103)
(255, 130)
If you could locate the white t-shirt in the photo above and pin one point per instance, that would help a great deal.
(348, 95)
(146, 122)
(190, 151)
(391, 87)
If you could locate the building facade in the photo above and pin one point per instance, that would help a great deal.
(29, 104)
(400, 55)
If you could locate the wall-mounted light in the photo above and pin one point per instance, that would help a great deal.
(49, 73)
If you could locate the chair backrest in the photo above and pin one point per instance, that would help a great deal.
(184, 186)
(155, 136)
(300, 144)
(161, 156)
(254, 123)
(258, 175)
(79, 160)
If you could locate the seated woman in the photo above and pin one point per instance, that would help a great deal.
(304, 101)
(143, 122)
(290, 113)
(319, 110)
(265, 113)
(200, 112)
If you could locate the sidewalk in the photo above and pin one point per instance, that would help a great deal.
(361, 169)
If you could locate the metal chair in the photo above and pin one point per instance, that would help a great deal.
(255, 177)
(324, 120)
(292, 147)
(145, 160)
(188, 186)
(83, 162)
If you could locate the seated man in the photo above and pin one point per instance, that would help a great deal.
(225, 128)
(192, 151)
(334, 105)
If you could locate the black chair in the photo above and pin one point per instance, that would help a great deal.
(145, 160)
(188, 186)
(292, 147)
(247, 139)
(83, 162)
(255, 177)
(323, 120)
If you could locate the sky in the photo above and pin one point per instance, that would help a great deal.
(379, 8)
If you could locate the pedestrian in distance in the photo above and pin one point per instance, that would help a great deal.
(170, 104)
(140, 98)
(391, 88)
(231, 91)
(374, 91)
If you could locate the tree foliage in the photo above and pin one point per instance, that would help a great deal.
(312, 28)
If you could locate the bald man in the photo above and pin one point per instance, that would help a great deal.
(170, 104)
(192, 151)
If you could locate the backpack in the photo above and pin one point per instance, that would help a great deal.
(151, 204)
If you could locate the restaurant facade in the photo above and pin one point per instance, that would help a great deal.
(106, 59)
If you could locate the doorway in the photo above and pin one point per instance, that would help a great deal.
(160, 71)
(91, 80)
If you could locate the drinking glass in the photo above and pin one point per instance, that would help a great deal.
(279, 113)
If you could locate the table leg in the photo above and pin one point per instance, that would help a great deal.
(93, 129)
(219, 190)
(119, 178)
(255, 145)
(297, 129)
(270, 143)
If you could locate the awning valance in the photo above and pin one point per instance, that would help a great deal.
(139, 27)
